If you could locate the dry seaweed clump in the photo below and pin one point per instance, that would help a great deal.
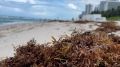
(82, 22)
(108, 27)
(87, 49)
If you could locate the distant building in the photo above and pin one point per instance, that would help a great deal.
(108, 5)
(86, 15)
(113, 5)
(93, 17)
(97, 8)
(112, 0)
(103, 6)
(88, 9)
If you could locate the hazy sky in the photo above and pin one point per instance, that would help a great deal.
(65, 9)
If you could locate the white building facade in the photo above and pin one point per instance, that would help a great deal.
(93, 17)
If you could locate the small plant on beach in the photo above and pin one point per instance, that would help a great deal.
(89, 49)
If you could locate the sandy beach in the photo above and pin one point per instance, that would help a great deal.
(14, 35)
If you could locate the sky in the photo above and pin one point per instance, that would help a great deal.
(63, 9)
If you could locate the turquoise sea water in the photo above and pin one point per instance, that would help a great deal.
(3, 21)
(12, 21)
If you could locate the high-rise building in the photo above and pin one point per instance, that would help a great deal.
(112, 0)
(97, 8)
(88, 9)
(108, 5)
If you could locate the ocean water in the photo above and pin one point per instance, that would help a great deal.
(9, 21)
(6, 21)
(14, 21)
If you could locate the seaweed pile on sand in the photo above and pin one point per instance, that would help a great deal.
(89, 49)
(83, 22)
(108, 27)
